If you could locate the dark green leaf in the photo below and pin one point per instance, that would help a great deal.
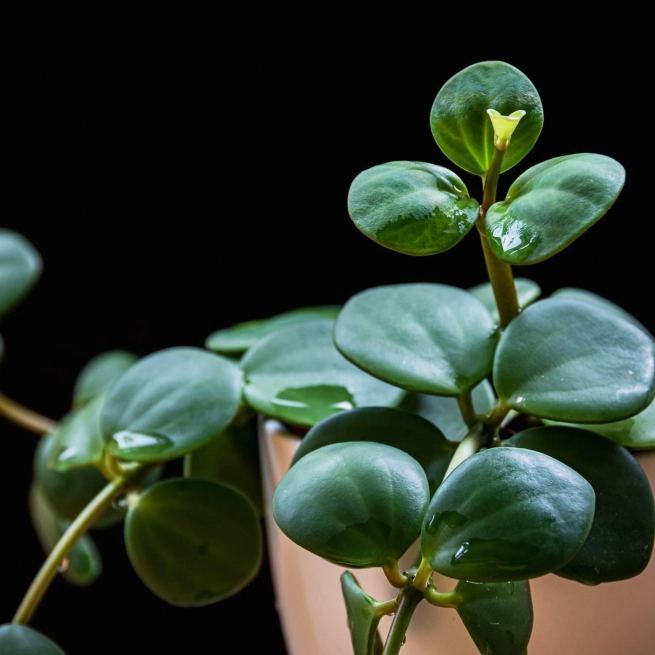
(507, 514)
(296, 375)
(193, 542)
(460, 123)
(444, 411)
(431, 338)
(551, 205)
(412, 207)
(362, 618)
(620, 543)
(394, 427)
(497, 615)
(357, 504)
(99, 373)
(169, 403)
(235, 340)
(21, 640)
(573, 361)
(20, 268)
(83, 564)
(527, 291)
(231, 457)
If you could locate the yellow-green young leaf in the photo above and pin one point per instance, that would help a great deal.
(412, 207)
(193, 542)
(21, 640)
(576, 362)
(363, 620)
(620, 543)
(358, 504)
(460, 123)
(551, 205)
(497, 615)
(431, 338)
(99, 373)
(20, 268)
(507, 514)
(297, 376)
(526, 290)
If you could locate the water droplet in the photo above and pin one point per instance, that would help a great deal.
(67, 454)
(129, 442)
(63, 567)
(314, 403)
(119, 501)
(510, 588)
(514, 236)
(520, 399)
(502, 553)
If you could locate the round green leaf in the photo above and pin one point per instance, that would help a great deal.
(444, 411)
(412, 434)
(507, 514)
(193, 542)
(357, 504)
(551, 205)
(231, 457)
(620, 543)
(363, 620)
(69, 492)
(497, 615)
(296, 375)
(460, 123)
(572, 361)
(21, 640)
(412, 207)
(83, 563)
(20, 268)
(99, 373)
(169, 403)
(526, 290)
(236, 339)
(588, 296)
(77, 442)
(431, 338)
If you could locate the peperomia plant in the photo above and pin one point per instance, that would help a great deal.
(485, 431)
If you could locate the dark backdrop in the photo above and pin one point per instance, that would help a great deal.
(176, 183)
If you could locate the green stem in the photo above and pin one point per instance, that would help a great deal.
(408, 600)
(440, 599)
(465, 402)
(76, 529)
(24, 417)
(394, 576)
(500, 273)
(470, 445)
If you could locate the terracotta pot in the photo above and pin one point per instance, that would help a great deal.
(570, 618)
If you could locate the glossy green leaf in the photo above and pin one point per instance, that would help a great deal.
(620, 543)
(444, 411)
(572, 361)
(460, 123)
(83, 564)
(231, 457)
(551, 205)
(20, 268)
(635, 433)
(394, 427)
(431, 338)
(169, 403)
(412, 207)
(588, 296)
(507, 514)
(236, 339)
(297, 376)
(497, 615)
(193, 542)
(363, 619)
(99, 373)
(21, 640)
(69, 492)
(77, 442)
(357, 504)
(526, 290)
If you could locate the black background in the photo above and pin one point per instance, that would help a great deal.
(185, 172)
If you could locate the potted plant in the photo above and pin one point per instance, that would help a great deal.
(487, 421)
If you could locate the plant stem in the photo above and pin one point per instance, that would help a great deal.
(500, 273)
(470, 445)
(465, 402)
(76, 529)
(24, 417)
(408, 600)
(394, 576)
